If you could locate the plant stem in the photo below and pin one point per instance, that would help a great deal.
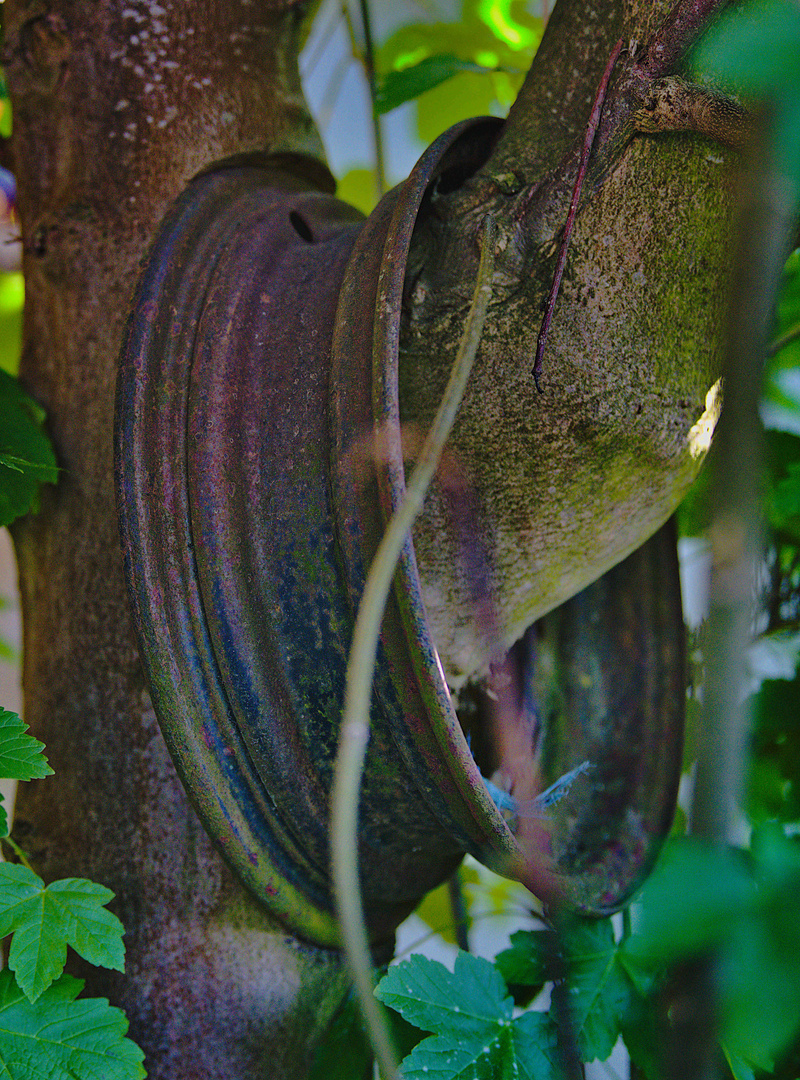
(735, 534)
(459, 908)
(355, 722)
(766, 227)
(561, 262)
(785, 339)
(369, 67)
(23, 858)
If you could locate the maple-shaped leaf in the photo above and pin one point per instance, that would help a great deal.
(471, 1015)
(601, 991)
(536, 1046)
(528, 960)
(602, 979)
(21, 756)
(45, 919)
(26, 456)
(59, 1038)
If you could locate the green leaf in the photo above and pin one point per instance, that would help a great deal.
(760, 964)
(747, 910)
(8, 652)
(602, 979)
(398, 87)
(494, 40)
(756, 47)
(740, 1069)
(773, 790)
(783, 510)
(691, 900)
(525, 963)
(643, 1034)
(780, 406)
(3, 818)
(523, 1048)
(536, 1046)
(61, 1038)
(21, 756)
(600, 989)
(5, 108)
(12, 296)
(26, 456)
(475, 1035)
(427, 995)
(45, 919)
(358, 187)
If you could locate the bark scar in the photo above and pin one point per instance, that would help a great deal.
(40, 55)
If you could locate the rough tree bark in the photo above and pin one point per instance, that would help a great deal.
(116, 104)
(576, 477)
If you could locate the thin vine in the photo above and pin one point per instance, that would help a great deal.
(355, 723)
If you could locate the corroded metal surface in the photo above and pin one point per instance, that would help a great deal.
(607, 673)
(259, 365)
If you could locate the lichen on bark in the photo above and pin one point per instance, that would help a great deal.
(573, 479)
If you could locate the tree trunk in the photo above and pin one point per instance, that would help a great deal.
(116, 105)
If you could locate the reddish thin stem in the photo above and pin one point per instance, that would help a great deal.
(588, 142)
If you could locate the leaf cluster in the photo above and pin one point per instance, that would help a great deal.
(453, 70)
(26, 455)
(743, 906)
(45, 1029)
(470, 1011)
(470, 1015)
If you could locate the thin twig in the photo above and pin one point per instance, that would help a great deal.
(354, 736)
(369, 67)
(571, 1064)
(785, 339)
(588, 142)
(23, 858)
(455, 892)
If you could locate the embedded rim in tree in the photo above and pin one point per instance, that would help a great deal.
(259, 360)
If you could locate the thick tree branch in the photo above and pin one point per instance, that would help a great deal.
(623, 397)
(685, 23)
